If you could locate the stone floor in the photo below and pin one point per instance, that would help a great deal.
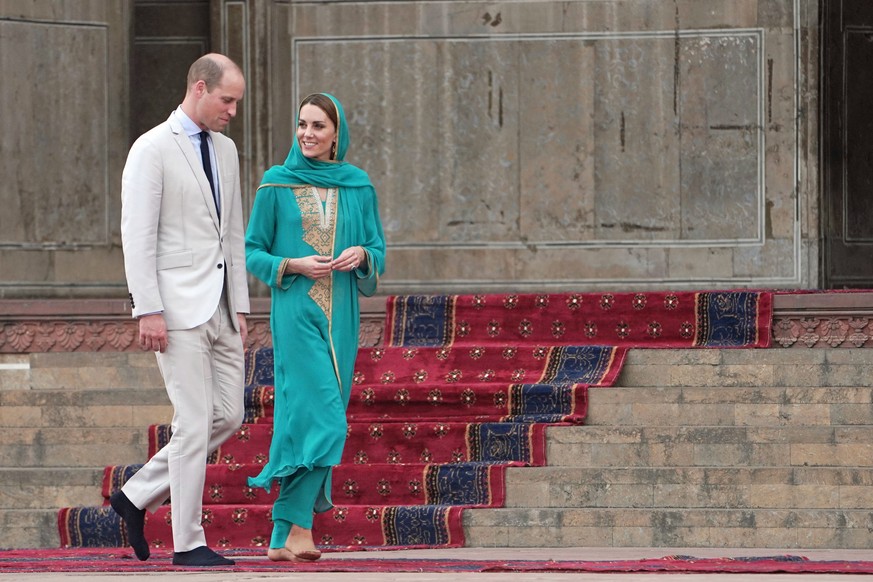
(600, 554)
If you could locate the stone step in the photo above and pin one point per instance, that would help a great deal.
(73, 447)
(681, 488)
(50, 488)
(763, 405)
(645, 527)
(643, 367)
(29, 528)
(79, 371)
(746, 367)
(709, 446)
(84, 408)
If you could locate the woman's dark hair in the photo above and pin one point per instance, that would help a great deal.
(324, 103)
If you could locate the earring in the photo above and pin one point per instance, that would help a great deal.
(333, 150)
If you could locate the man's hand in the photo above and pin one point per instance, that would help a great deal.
(153, 333)
(243, 328)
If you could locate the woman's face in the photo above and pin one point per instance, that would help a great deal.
(316, 133)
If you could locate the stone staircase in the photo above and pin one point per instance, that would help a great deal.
(692, 448)
(700, 448)
(63, 417)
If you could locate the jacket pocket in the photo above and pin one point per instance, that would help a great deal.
(175, 259)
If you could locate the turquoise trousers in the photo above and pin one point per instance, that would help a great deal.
(296, 502)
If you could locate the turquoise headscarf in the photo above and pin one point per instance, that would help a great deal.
(299, 170)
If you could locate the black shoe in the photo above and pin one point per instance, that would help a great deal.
(134, 520)
(201, 556)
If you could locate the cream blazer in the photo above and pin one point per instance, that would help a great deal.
(176, 251)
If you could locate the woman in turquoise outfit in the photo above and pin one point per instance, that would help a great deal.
(316, 239)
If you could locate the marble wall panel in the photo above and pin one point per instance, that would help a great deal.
(525, 144)
(714, 263)
(55, 184)
(528, 127)
(556, 149)
(780, 257)
(637, 140)
(452, 98)
(721, 194)
(440, 270)
(781, 179)
(63, 104)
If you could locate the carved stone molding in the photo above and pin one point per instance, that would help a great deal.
(823, 320)
(106, 326)
(822, 332)
(800, 320)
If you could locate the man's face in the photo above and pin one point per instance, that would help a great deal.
(216, 108)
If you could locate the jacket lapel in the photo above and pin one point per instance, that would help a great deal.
(196, 165)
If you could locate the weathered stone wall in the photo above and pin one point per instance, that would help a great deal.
(533, 145)
(62, 113)
(524, 145)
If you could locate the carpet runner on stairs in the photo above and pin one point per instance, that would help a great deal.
(655, 319)
(465, 387)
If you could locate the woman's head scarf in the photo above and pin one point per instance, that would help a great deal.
(336, 173)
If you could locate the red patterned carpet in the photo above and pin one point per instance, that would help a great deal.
(464, 387)
(84, 560)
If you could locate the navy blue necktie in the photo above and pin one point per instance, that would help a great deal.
(207, 167)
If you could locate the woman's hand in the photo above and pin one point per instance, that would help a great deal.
(313, 266)
(349, 259)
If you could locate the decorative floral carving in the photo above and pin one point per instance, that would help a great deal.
(822, 331)
(20, 336)
(806, 327)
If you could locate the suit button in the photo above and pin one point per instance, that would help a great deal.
(220, 266)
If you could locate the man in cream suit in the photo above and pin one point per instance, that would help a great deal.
(184, 258)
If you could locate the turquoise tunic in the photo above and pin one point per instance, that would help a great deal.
(314, 323)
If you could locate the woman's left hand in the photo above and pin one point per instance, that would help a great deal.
(349, 259)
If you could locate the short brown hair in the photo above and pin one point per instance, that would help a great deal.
(210, 68)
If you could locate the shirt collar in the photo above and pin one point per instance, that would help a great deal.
(191, 128)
